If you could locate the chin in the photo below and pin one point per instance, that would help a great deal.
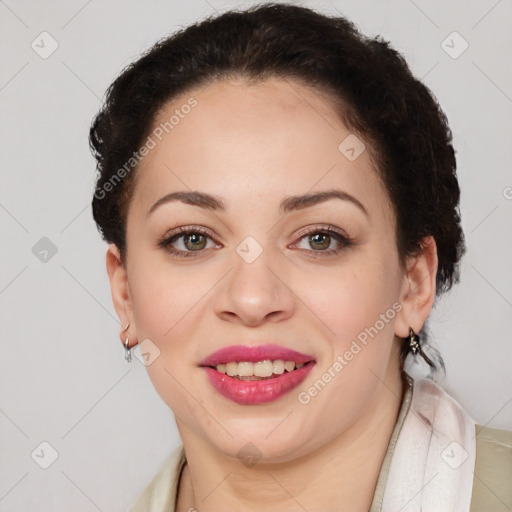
(262, 441)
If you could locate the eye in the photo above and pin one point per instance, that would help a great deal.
(192, 242)
(322, 239)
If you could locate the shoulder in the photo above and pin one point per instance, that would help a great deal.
(160, 493)
(492, 482)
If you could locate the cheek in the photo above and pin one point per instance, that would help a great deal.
(163, 299)
(166, 308)
(356, 305)
(352, 298)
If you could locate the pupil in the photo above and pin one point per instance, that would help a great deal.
(194, 238)
(314, 240)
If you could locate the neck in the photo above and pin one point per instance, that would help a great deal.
(339, 476)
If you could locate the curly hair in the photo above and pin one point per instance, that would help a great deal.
(370, 83)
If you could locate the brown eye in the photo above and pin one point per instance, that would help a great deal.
(320, 241)
(189, 242)
(194, 241)
(323, 241)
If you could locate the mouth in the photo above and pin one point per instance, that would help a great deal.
(256, 375)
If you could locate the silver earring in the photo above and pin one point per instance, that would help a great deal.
(127, 351)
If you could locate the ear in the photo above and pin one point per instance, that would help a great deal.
(120, 291)
(419, 288)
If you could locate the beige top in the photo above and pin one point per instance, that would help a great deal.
(492, 483)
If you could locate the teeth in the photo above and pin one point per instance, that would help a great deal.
(289, 366)
(245, 369)
(264, 368)
(278, 367)
(231, 369)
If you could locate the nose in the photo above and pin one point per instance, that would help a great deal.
(254, 293)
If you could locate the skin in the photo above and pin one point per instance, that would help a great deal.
(254, 145)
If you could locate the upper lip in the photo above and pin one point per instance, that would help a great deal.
(254, 353)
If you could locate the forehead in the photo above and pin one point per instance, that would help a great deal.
(248, 141)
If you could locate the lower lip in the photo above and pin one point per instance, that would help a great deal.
(257, 391)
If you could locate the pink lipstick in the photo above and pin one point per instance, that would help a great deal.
(284, 370)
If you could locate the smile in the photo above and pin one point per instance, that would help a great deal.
(258, 374)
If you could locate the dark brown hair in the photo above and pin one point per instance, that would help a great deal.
(372, 85)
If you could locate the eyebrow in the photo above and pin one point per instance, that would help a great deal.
(288, 204)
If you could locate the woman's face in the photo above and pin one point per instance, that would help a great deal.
(260, 269)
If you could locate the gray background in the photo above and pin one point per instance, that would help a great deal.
(63, 376)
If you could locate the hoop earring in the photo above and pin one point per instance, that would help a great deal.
(127, 351)
(415, 346)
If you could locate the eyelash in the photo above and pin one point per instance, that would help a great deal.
(343, 239)
(182, 231)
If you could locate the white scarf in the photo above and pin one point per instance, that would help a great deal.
(434, 457)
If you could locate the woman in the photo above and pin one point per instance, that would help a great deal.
(281, 202)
